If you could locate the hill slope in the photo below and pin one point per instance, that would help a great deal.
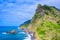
(45, 24)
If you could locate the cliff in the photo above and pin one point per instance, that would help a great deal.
(45, 24)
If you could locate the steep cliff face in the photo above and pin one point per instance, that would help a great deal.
(45, 24)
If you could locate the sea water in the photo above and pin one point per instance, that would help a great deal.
(19, 36)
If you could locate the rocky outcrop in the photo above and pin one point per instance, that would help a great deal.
(12, 32)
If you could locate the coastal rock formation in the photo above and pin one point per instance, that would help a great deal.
(12, 32)
(45, 24)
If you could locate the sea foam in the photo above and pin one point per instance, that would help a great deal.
(28, 38)
(4, 33)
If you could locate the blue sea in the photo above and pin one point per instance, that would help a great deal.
(21, 35)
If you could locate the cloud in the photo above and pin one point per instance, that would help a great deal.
(15, 12)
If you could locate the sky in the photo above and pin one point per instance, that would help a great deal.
(15, 12)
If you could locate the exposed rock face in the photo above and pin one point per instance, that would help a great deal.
(45, 24)
(39, 8)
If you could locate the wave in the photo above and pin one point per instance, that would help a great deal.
(18, 33)
(4, 33)
(28, 37)
(21, 32)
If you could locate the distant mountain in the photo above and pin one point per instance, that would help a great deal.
(45, 24)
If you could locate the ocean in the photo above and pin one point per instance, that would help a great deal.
(21, 35)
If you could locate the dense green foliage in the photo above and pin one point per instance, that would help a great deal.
(47, 27)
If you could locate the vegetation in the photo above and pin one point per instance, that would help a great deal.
(48, 28)
(25, 24)
(45, 23)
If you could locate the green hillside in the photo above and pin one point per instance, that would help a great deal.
(45, 23)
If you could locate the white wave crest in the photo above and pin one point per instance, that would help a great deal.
(28, 38)
(4, 33)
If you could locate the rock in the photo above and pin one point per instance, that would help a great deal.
(12, 32)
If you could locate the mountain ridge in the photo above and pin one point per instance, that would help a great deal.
(45, 24)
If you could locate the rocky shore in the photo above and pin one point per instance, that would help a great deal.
(11, 32)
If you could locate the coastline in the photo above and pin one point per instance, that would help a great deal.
(30, 36)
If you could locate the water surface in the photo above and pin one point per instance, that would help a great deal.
(19, 36)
